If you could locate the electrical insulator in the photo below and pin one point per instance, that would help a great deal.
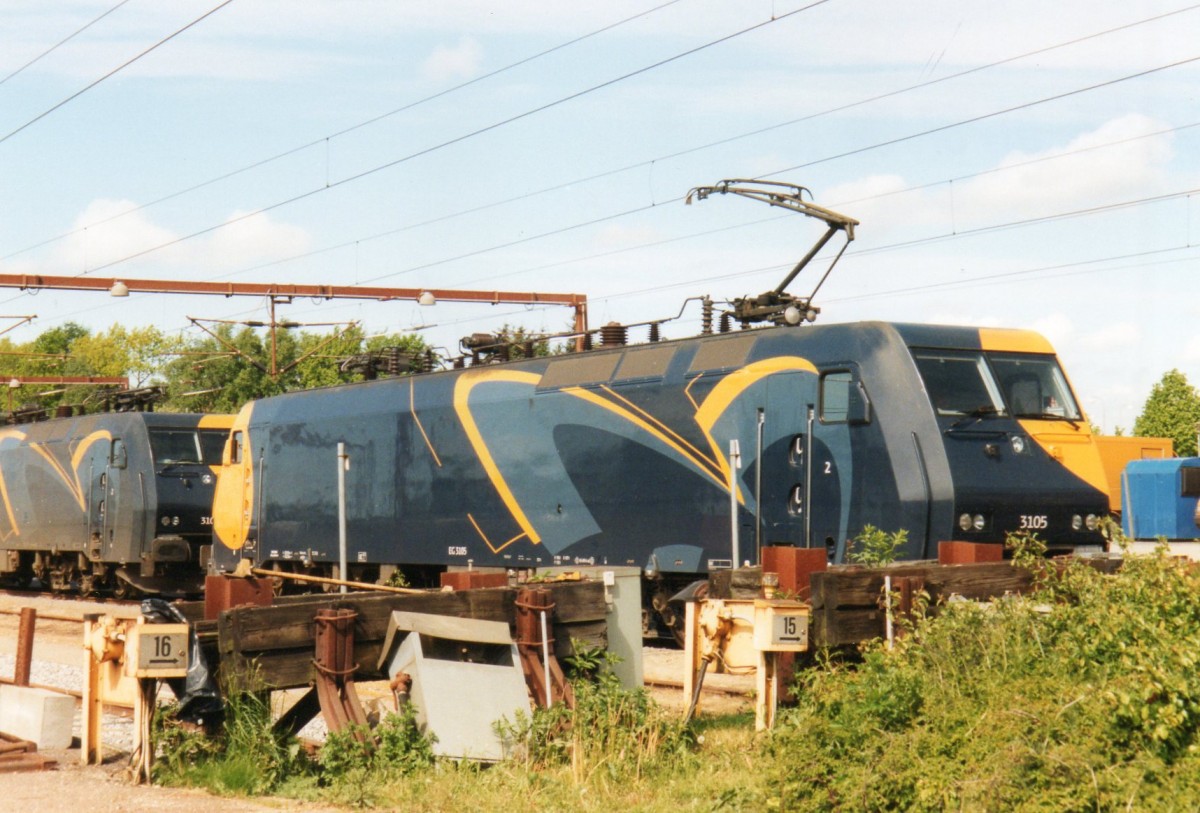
(613, 334)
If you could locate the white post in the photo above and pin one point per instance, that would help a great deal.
(735, 463)
(343, 463)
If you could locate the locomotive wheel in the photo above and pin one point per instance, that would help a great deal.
(123, 590)
(87, 585)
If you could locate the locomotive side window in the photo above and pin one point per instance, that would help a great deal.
(235, 447)
(844, 399)
(212, 443)
(835, 396)
(1034, 386)
(958, 382)
(117, 456)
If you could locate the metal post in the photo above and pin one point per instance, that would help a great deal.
(343, 463)
(735, 463)
(808, 473)
(758, 506)
(546, 661)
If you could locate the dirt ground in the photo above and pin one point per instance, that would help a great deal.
(105, 787)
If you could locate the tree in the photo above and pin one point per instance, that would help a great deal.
(1172, 411)
(222, 373)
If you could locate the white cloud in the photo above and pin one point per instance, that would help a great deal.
(1057, 327)
(1115, 336)
(1031, 183)
(95, 242)
(458, 62)
(247, 240)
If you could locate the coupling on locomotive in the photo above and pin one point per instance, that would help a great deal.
(677, 457)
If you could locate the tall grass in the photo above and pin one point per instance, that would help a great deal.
(247, 758)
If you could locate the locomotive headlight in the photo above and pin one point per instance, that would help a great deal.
(174, 520)
(964, 522)
(166, 521)
(1076, 522)
(206, 479)
(1018, 444)
(1092, 522)
(978, 522)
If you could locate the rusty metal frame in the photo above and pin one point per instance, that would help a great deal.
(334, 668)
(33, 282)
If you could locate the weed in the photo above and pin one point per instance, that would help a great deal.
(358, 762)
(248, 758)
(875, 547)
(612, 734)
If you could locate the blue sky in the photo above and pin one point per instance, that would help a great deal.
(1052, 191)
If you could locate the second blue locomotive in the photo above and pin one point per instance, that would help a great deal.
(119, 502)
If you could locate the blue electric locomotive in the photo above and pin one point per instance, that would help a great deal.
(621, 456)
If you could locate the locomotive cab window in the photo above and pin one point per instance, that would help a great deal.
(174, 446)
(959, 383)
(1034, 386)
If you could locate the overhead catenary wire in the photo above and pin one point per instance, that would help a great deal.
(62, 42)
(894, 192)
(116, 70)
(609, 173)
(325, 139)
(826, 159)
(668, 156)
(984, 117)
(456, 140)
(850, 255)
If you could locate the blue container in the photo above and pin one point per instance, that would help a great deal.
(1159, 497)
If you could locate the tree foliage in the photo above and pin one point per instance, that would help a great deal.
(205, 373)
(1172, 411)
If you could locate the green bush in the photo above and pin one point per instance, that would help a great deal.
(1081, 696)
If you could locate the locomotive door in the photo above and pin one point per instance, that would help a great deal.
(98, 471)
(807, 422)
(111, 508)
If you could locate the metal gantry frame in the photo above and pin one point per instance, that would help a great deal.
(282, 294)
